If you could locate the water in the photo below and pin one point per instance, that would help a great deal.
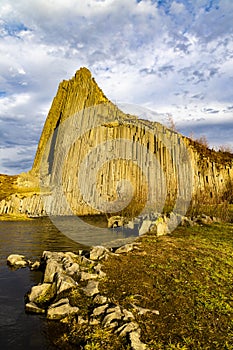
(19, 330)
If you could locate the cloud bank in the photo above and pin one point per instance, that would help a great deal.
(174, 57)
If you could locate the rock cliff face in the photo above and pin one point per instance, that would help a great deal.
(92, 158)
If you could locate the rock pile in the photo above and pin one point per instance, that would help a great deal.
(159, 224)
(68, 274)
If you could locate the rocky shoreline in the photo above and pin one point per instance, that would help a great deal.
(70, 291)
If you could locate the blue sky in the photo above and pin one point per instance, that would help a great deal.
(173, 57)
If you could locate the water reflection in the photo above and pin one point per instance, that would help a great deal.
(19, 330)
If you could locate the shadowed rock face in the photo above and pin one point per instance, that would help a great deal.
(93, 158)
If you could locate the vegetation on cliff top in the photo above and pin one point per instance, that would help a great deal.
(8, 185)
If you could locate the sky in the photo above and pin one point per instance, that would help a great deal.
(168, 57)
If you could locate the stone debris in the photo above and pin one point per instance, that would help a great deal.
(52, 267)
(125, 248)
(143, 311)
(68, 273)
(74, 269)
(116, 221)
(128, 315)
(35, 265)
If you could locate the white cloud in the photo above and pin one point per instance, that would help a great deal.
(175, 57)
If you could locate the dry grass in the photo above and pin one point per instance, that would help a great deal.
(187, 277)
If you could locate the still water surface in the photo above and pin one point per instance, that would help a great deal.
(19, 330)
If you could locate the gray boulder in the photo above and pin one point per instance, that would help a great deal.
(85, 276)
(92, 288)
(100, 299)
(42, 294)
(64, 282)
(17, 260)
(52, 267)
(100, 310)
(98, 252)
(61, 309)
(127, 328)
(136, 343)
(125, 248)
(145, 227)
(32, 307)
(113, 314)
(35, 265)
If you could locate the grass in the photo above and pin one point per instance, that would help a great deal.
(187, 277)
(8, 185)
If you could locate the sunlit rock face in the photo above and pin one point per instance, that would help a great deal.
(92, 159)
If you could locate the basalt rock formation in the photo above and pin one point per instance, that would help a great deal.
(92, 158)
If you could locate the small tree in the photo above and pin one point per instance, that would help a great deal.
(203, 141)
(171, 123)
(225, 149)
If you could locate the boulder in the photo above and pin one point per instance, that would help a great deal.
(92, 288)
(52, 267)
(98, 252)
(100, 310)
(130, 225)
(127, 328)
(73, 269)
(17, 260)
(61, 309)
(128, 315)
(32, 307)
(159, 227)
(42, 294)
(100, 299)
(173, 221)
(162, 228)
(186, 222)
(113, 314)
(145, 227)
(143, 311)
(64, 282)
(52, 255)
(72, 255)
(136, 343)
(35, 265)
(125, 248)
(85, 276)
